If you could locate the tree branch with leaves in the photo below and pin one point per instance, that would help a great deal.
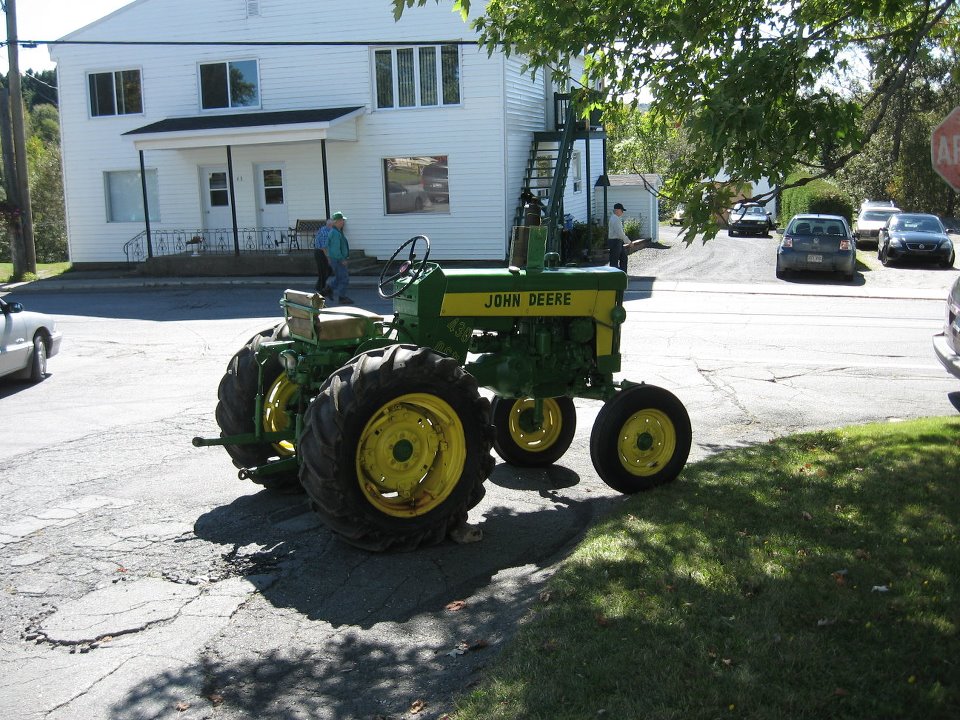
(761, 88)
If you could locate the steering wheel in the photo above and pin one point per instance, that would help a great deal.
(411, 266)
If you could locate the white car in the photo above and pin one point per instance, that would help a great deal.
(27, 339)
(873, 216)
(947, 343)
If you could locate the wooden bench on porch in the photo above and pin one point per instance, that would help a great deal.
(303, 233)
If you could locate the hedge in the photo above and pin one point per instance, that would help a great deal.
(817, 196)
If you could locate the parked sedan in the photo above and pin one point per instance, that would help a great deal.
(27, 339)
(403, 199)
(817, 242)
(873, 216)
(750, 219)
(947, 343)
(915, 235)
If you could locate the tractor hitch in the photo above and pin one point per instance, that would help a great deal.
(271, 469)
(243, 439)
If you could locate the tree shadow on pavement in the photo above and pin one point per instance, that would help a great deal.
(422, 665)
(385, 631)
(325, 579)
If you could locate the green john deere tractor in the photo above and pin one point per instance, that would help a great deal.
(382, 422)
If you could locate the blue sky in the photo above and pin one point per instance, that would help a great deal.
(49, 20)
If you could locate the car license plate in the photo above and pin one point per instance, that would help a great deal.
(814, 258)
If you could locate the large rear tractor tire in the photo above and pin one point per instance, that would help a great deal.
(395, 448)
(519, 441)
(641, 439)
(237, 396)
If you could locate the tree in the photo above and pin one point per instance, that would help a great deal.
(761, 88)
(639, 142)
(46, 185)
(895, 161)
(45, 172)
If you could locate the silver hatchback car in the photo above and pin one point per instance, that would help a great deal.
(817, 242)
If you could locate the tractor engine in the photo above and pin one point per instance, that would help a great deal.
(540, 357)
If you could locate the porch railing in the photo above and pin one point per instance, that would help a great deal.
(218, 241)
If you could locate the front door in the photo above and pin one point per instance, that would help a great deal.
(217, 214)
(271, 197)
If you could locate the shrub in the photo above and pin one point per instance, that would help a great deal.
(633, 227)
(585, 240)
(817, 196)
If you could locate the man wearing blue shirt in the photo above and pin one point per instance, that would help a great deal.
(320, 244)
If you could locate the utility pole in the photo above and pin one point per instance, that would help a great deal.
(24, 223)
(10, 181)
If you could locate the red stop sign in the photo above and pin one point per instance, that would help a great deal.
(945, 149)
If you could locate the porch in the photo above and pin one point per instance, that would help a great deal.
(254, 251)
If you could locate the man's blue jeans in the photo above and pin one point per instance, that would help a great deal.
(339, 281)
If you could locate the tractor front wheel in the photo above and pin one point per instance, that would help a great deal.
(395, 448)
(641, 439)
(521, 441)
(236, 408)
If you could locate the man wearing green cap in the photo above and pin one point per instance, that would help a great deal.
(339, 251)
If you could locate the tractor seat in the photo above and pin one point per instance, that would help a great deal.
(344, 322)
(309, 319)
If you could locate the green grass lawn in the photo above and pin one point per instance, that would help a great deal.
(44, 270)
(815, 576)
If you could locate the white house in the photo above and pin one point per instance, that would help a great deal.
(233, 119)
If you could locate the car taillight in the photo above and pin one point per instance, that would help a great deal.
(845, 244)
(787, 241)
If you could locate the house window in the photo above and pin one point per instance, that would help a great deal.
(233, 84)
(115, 93)
(124, 195)
(416, 185)
(422, 76)
(576, 172)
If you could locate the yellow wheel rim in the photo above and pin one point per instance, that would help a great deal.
(525, 434)
(411, 455)
(276, 418)
(646, 443)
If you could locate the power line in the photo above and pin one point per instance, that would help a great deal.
(33, 76)
(244, 43)
(40, 92)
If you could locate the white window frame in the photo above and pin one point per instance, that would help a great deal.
(134, 195)
(230, 107)
(113, 82)
(395, 77)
